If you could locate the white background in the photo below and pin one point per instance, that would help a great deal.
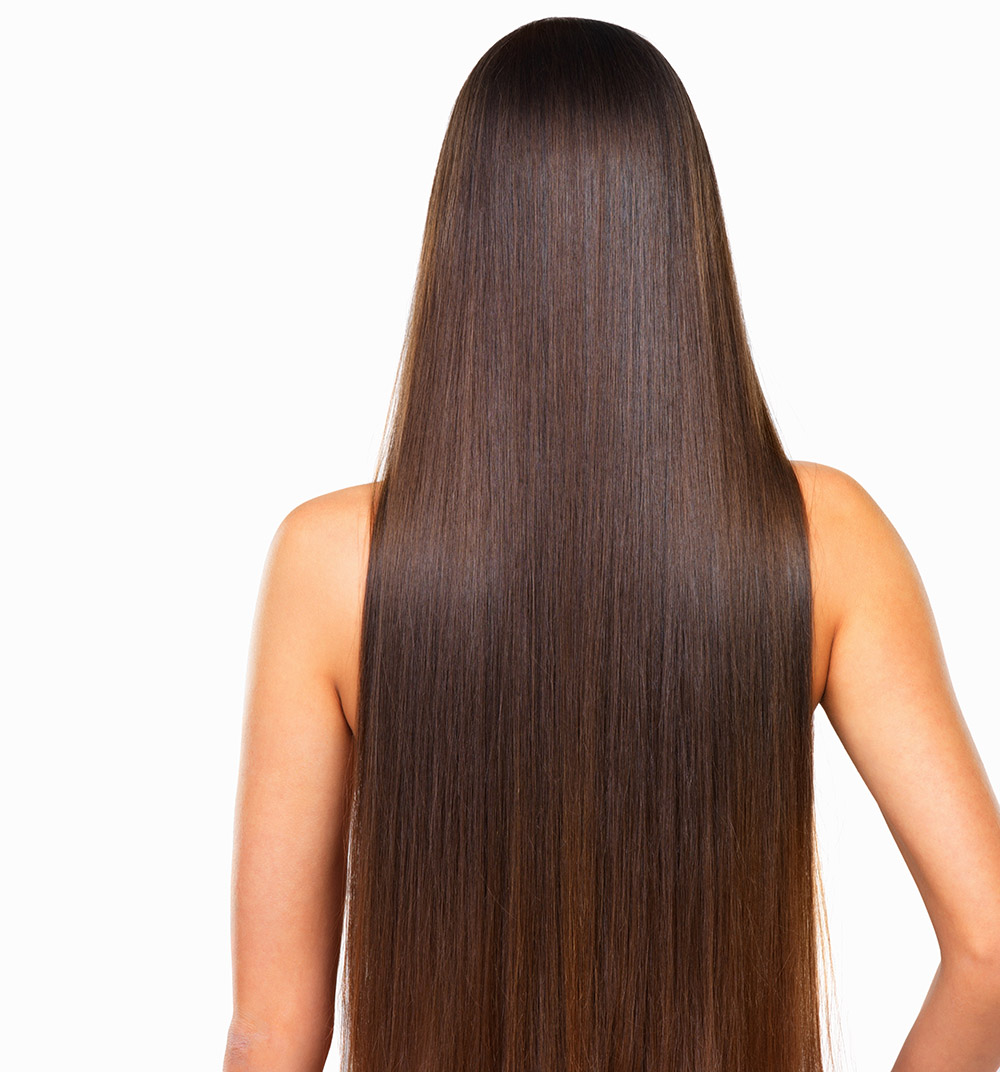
(210, 215)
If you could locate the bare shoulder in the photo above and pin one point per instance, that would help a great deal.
(289, 859)
(835, 506)
(330, 534)
(333, 515)
(853, 543)
(326, 537)
(321, 548)
(834, 498)
(890, 699)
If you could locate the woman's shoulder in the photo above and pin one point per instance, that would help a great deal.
(849, 533)
(330, 533)
(889, 697)
(322, 543)
(861, 567)
(829, 489)
(331, 530)
(853, 549)
(331, 510)
(852, 545)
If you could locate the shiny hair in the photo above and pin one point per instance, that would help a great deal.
(581, 823)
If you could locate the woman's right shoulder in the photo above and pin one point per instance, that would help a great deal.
(846, 526)
(834, 496)
(890, 699)
(858, 556)
(853, 544)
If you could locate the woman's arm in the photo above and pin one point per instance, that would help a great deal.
(890, 700)
(289, 851)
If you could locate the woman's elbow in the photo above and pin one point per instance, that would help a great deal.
(292, 1048)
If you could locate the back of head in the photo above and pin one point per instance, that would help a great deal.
(581, 817)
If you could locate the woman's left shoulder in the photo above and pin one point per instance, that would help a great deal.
(332, 515)
(318, 560)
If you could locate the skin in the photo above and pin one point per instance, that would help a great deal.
(878, 671)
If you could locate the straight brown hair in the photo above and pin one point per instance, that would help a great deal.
(581, 824)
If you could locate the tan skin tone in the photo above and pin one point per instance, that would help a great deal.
(878, 671)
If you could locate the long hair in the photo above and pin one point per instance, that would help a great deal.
(581, 824)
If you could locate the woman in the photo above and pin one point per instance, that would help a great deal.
(538, 701)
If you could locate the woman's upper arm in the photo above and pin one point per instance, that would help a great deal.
(890, 699)
(289, 853)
